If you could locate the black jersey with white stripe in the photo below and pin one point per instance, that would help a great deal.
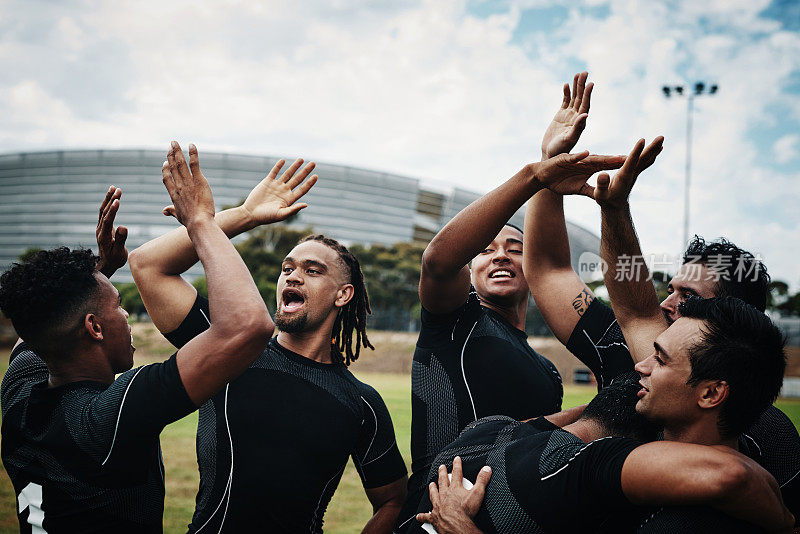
(468, 364)
(772, 441)
(543, 479)
(85, 456)
(272, 446)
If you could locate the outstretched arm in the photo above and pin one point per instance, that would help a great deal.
(560, 294)
(668, 473)
(240, 325)
(633, 296)
(444, 281)
(158, 264)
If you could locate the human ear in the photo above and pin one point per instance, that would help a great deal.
(713, 394)
(92, 326)
(344, 295)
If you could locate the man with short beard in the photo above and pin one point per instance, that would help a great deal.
(274, 443)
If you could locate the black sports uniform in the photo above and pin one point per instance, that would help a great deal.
(468, 364)
(85, 456)
(772, 441)
(544, 479)
(273, 444)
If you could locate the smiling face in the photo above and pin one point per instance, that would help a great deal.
(692, 279)
(313, 285)
(665, 396)
(117, 339)
(497, 271)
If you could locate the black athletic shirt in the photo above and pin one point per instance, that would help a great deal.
(85, 456)
(772, 441)
(468, 364)
(544, 479)
(273, 444)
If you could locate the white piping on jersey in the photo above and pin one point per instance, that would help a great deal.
(319, 502)
(573, 457)
(464, 374)
(404, 522)
(381, 454)
(119, 415)
(226, 494)
(793, 477)
(376, 428)
(600, 358)
(754, 442)
(205, 316)
(453, 333)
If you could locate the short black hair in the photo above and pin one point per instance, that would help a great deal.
(44, 295)
(743, 347)
(515, 227)
(739, 273)
(614, 408)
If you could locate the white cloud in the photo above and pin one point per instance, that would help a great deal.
(787, 148)
(423, 88)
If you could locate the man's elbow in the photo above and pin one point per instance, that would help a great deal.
(136, 262)
(434, 263)
(730, 478)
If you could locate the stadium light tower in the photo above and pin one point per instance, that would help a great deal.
(700, 88)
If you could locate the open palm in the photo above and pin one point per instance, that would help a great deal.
(570, 120)
(274, 199)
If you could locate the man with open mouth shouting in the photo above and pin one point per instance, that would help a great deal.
(273, 444)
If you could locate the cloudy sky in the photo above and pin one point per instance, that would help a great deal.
(453, 91)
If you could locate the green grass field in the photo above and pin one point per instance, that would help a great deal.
(349, 510)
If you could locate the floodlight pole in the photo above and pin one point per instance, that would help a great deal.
(699, 89)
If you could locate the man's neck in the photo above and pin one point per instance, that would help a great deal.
(701, 432)
(514, 314)
(89, 365)
(315, 345)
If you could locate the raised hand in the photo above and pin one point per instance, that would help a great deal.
(275, 199)
(614, 193)
(453, 505)
(110, 242)
(566, 174)
(564, 131)
(187, 187)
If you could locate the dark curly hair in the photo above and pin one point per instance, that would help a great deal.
(614, 408)
(743, 347)
(741, 274)
(44, 296)
(353, 315)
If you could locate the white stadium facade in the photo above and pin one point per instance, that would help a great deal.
(48, 199)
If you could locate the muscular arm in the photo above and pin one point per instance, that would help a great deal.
(386, 504)
(668, 473)
(444, 281)
(633, 295)
(560, 294)
(157, 265)
(240, 325)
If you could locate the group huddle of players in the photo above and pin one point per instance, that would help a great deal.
(681, 437)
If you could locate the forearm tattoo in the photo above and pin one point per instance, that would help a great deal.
(581, 303)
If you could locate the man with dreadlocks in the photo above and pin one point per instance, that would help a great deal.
(296, 415)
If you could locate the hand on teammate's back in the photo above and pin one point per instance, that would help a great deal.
(110, 242)
(569, 121)
(274, 199)
(187, 187)
(614, 193)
